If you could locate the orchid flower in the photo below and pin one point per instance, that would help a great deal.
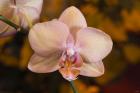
(68, 45)
(21, 12)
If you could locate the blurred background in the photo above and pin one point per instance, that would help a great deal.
(119, 18)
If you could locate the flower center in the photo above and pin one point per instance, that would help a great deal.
(68, 63)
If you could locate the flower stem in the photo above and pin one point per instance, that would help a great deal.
(2, 18)
(73, 87)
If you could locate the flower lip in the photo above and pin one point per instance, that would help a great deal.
(70, 64)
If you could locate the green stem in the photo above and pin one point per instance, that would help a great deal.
(2, 18)
(73, 87)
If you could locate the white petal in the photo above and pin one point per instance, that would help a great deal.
(48, 37)
(93, 44)
(94, 69)
(37, 4)
(28, 16)
(41, 64)
(28, 11)
(73, 18)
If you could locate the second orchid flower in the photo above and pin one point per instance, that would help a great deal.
(21, 12)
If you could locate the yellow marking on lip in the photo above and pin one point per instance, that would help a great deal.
(68, 71)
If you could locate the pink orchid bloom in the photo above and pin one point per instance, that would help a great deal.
(21, 12)
(68, 45)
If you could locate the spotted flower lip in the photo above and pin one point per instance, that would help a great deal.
(68, 45)
(21, 12)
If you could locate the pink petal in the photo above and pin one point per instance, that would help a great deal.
(73, 18)
(93, 44)
(41, 64)
(6, 30)
(93, 69)
(48, 37)
(7, 12)
(4, 5)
